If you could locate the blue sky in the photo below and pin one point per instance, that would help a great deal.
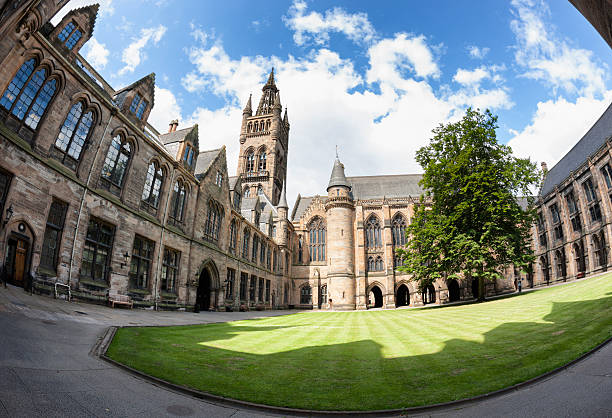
(371, 77)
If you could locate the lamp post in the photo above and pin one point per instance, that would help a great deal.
(9, 215)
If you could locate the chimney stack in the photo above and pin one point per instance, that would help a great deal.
(544, 167)
(173, 125)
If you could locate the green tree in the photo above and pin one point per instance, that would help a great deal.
(469, 222)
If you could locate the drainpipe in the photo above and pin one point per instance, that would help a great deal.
(76, 229)
(161, 240)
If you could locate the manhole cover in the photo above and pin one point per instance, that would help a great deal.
(179, 410)
(82, 313)
(48, 322)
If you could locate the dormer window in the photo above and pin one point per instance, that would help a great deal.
(188, 155)
(138, 106)
(70, 35)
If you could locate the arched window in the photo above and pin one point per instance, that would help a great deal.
(213, 221)
(34, 98)
(245, 243)
(300, 249)
(116, 163)
(73, 135)
(262, 160)
(316, 241)
(254, 248)
(232, 236)
(70, 35)
(373, 233)
(153, 185)
(250, 162)
(398, 233)
(305, 295)
(262, 253)
(247, 192)
(178, 202)
(398, 230)
(260, 190)
(249, 127)
(375, 263)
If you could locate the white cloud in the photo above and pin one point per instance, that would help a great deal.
(317, 27)
(391, 57)
(96, 53)
(471, 77)
(556, 127)
(133, 55)
(476, 52)
(165, 109)
(547, 57)
(106, 8)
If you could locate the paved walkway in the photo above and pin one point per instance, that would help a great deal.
(46, 369)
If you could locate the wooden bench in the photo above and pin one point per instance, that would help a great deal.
(115, 298)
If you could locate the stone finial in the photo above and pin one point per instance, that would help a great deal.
(248, 109)
(544, 167)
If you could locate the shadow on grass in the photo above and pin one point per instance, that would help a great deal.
(357, 376)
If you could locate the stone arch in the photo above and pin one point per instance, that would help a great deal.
(402, 294)
(20, 240)
(376, 294)
(454, 290)
(208, 285)
(429, 294)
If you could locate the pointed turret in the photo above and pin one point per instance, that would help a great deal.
(286, 118)
(266, 103)
(283, 199)
(248, 110)
(337, 177)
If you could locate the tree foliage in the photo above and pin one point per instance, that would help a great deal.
(469, 222)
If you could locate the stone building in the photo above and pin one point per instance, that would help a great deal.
(572, 236)
(95, 198)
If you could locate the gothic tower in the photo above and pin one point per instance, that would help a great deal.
(340, 214)
(264, 144)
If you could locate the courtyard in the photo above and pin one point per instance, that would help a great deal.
(379, 359)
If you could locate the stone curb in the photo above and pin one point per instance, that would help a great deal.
(101, 347)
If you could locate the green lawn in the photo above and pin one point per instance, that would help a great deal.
(381, 359)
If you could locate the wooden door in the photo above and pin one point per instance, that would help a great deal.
(20, 261)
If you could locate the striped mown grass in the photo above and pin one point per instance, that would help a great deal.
(380, 359)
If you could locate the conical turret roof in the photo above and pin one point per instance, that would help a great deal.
(283, 199)
(337, 176)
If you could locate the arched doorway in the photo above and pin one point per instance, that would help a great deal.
(403, 296)
(429, 294)
(376, 296)
(204, 287)
(453, 290)
(18, 253)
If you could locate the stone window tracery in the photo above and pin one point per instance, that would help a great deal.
(250, 162)
(73, 135)
(178, 202)
(317, 238)
(232, 236)
(70, 35)
(116, 164)
(262, 160)
(375, 263)
(245, 243)
(373, 233)
(153, 185)
(213, 221)
(29, 104)
(306, 295)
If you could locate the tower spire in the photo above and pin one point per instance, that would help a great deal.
(283, 199)
(248, 109)
(268, 96)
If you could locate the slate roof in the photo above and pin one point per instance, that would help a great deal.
(337, 177)
(592, 141)
(176, 136)
(231, 181)
(301, 206)
(205, 159)
(392, 186)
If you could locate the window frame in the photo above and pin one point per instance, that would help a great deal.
(169, 269)
(58, 230)
(143, 263)
(96, 243)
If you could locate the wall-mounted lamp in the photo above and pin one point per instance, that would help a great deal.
(9, 215)
(126, 258)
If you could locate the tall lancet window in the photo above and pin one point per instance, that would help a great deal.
(316, 242)
(373, 233)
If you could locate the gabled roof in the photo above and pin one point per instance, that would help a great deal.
(392, 186)
(180, 135)
(590, 143)
(90, 10)
(300, 207)
(149, 79)
(205, 160)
